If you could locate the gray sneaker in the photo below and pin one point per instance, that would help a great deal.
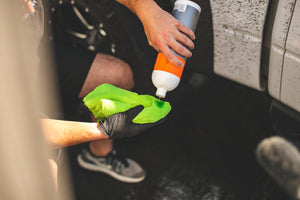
(122, 169)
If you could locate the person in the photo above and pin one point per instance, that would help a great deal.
(62, 133)
(164, 33)
(81, 72)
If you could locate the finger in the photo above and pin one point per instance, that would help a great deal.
(181, 27)
(183, 39)
(170, 56)
(133, 112)
(179, 48)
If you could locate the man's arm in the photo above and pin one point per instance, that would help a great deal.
(60, 133)
(163, 31)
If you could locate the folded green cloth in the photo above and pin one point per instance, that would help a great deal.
(107, 100)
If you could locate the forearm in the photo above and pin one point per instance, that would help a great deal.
(140, 7)
(60, 133)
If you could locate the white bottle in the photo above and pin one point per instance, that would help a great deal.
(164, 82)
(166, 76)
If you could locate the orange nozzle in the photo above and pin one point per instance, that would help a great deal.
(163, 64)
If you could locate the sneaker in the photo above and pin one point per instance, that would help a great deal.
(122, 169)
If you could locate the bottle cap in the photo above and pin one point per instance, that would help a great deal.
(161, 92)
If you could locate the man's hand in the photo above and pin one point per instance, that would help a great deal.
(163, 31)
(120, 125)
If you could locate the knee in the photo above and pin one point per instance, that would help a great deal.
(124, 78)
(116, 71)
(108, 69)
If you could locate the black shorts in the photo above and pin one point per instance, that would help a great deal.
(72, 67)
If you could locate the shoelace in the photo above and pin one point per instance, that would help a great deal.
(117, 160)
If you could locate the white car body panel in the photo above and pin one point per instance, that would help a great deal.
(284, 69)
(238, 33)
(279, 37)
(290, 84)
(238, 40)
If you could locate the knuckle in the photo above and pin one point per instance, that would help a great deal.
(158, 41)
(186, 41)
(176, 23)
(169, 55)
(181, 49)
(166, 36)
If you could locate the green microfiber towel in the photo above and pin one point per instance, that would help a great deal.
(107, 100)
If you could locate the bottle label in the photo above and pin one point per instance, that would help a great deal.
(187, 13)
(180, 7)
(163, 64)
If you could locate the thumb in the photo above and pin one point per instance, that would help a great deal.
(133, 112)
